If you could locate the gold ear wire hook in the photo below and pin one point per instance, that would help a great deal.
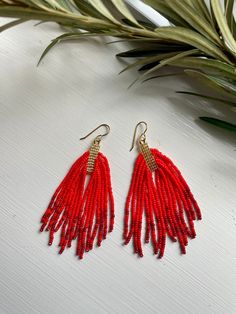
(94, 149)
(100, 136)
(142, 136)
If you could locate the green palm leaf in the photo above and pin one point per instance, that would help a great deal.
(220, 123)
(199, 40)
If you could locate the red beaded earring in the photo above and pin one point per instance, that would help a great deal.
(79, 207)
(159, 192)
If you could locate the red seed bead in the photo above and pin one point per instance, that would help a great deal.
(80, 211)
(165, 200)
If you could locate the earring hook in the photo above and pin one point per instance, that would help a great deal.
(100, 136)
(142, 136)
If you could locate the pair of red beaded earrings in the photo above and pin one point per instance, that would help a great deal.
(82, 207)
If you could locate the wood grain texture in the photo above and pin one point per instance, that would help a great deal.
(43, 112)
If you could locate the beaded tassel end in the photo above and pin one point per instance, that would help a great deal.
(159, 192)
(81, 209)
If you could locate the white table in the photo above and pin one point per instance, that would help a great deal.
(44, 112)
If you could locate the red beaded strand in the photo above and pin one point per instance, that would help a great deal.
(81, 211)
(164, 198)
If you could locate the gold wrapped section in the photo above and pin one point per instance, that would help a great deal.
(93, 153)
(94, 149)
(145, 150)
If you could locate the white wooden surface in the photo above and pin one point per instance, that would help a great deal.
(44, 111)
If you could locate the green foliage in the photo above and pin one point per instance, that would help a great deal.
(200, 41)
(220, 123)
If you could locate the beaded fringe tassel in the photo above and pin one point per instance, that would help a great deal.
(163, 196)
(81, 209)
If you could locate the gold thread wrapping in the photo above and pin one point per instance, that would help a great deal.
(148, 156)
(93, 153)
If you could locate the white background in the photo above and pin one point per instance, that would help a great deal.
(43, 112)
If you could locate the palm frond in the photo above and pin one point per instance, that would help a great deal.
(200, 40)
(220, 123)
